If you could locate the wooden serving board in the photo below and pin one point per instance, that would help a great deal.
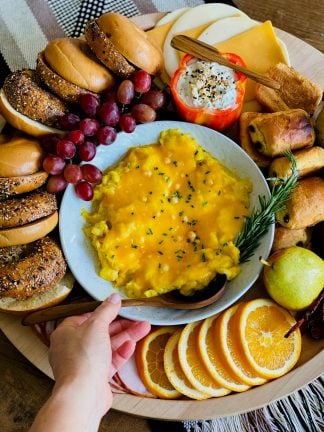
(310, 62)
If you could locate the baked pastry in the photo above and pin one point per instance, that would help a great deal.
(305, 207)
(245, 140)
(308, 161)
(276, 133)
(296, 91)
(285, 237)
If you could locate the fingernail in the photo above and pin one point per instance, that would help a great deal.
(114, 298)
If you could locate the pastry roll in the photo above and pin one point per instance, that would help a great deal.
(296, 91)
(275, 133)
(285, 237)
(305, 207)
(245, 140)
(308, 161)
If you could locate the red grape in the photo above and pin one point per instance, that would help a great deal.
(53, 164)
(76, 136)
(89, 104)
(69, 121)
(84, 190)
(48, 142)
(91, 173)
(89, 126)
(87, 151)
(127, 123)
(106, 135)
(72, 173)
(56, 183)
(65, 148)
(110, 96)
(142, 81)
(154, 98)
(143, 113)
(125, 92)
(109, 113)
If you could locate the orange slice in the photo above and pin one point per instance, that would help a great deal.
(192, 364)
(230, 351)
(209, 352)
(261, 325)
(149, 357)
(174, 371)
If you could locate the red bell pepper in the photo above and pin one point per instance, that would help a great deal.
(215, 118)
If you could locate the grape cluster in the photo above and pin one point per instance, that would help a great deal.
(100, 118)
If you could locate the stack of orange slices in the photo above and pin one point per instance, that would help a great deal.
(242, 347)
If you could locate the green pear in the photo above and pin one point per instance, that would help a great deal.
(294, 277)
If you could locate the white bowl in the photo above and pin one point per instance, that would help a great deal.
(82, 259)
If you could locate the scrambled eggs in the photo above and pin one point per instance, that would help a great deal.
(165, 218)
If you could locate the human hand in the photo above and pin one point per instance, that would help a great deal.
(87, 350)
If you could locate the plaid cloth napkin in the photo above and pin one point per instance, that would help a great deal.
(25, 28)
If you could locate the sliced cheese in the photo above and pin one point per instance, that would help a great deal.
(194, 17)
(226, 28)
(259, 48)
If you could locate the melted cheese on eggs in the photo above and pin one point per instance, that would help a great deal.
(165, 218)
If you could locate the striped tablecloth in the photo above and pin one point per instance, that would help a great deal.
(25, 28)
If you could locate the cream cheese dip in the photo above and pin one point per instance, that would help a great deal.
(207, 85)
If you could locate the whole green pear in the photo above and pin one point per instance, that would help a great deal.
(294, 277)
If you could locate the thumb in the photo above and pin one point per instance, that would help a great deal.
(107, 311)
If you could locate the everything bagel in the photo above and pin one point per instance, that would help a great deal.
(32, 268)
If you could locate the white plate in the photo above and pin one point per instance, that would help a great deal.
(82, 258)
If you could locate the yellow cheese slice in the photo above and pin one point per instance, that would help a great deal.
(259, 48)
(158, 34)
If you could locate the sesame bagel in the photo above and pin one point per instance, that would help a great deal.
(38, 267)
(45, 299)
(122, 46)
(22, 122)
(106, 51)
(28, 233)
(28, 98)
(11, 186)
(19, 211)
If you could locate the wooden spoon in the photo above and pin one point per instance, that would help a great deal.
(173, 300)
(207, 52)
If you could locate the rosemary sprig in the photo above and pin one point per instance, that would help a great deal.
(258, 224)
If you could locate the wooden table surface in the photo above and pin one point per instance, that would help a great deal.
(24, 388)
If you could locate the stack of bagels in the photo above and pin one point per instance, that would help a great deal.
(32, 267)
(111, 48)
(33, 272)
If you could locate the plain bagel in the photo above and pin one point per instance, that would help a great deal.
(120, 45)
(20, 156)
(72, 60)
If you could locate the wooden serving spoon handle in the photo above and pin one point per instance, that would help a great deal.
(207, 52)
(66, 310)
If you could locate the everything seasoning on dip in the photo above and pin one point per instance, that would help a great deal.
(207, 85)
(207, 93)
(165, 218)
